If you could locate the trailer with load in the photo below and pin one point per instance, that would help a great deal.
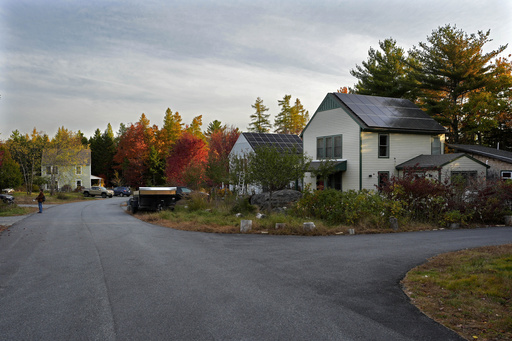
(153, 199)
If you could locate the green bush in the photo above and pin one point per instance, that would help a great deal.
(197, 202)
(242, 205)
(348, 208)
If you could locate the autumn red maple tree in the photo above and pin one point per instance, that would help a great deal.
(132, 154)
(187, 160)
(221, 142)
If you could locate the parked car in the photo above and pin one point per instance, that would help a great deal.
(8, 190)
(6, 198)
(185, 192)
(98, 190)
(122, 191)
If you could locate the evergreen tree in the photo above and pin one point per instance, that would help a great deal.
(171, 131)
(299, 118)
(451, 67)
(213, 127)
(385, 73)
(260, 122)
(291, 119)
(282, 123)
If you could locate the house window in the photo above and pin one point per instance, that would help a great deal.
(383, 179)
(383, 145)
(506, 175)
(78, 183)
(320, 148)
(78, 170)
(465, 177)
(52, 170)
(329, 147)
(436, 145)
(337, 147)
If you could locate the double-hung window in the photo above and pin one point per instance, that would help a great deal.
(78, 170)
(52, 170)
(383, 145)
(436, 145)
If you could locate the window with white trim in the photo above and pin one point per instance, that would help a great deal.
(436, 145)
(383, 145)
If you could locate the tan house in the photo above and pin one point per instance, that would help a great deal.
(67, 168)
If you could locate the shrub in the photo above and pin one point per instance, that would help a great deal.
(242, 205)
(197, 202)
(349, 208)
(62, 196)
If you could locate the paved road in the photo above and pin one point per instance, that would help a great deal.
(88, 271)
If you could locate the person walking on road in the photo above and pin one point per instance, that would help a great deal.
(40, 199)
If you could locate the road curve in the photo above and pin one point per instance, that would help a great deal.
(89, 271)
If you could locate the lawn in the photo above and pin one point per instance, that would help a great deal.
(469, 291)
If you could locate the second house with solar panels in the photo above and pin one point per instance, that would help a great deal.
(371, 139)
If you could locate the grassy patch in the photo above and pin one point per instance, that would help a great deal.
(468, 291)
(58, 198)
(14, 210)
(221, 220)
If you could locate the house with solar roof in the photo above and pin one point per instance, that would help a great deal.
(248, 142)
(371, 139)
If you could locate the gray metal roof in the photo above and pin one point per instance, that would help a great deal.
(489, 152)
(285, 142)
(386, 113)
(434, 161)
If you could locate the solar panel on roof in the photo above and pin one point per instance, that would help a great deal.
(385, 112)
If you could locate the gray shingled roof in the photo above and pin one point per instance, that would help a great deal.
(285, 142)
(386, 113)
(489, 152)
(433, 161)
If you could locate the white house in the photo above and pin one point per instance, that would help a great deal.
(368, 137)
(248, 142)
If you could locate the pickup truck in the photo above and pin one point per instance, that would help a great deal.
(98, 190)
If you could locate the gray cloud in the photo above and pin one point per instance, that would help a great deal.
(83, 64)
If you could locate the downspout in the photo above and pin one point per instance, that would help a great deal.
(360, 159)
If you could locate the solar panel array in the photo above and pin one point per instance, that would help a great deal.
(389, 113)
(285, 142)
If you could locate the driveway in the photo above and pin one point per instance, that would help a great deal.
(89, 271)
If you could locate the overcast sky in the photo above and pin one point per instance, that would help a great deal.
(84, 64)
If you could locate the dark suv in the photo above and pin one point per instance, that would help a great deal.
(122, 191)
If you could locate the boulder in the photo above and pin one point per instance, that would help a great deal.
(279, 198)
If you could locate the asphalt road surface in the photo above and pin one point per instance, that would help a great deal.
(89, 271)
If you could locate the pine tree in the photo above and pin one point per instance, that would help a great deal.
(451, 67)
(260, 122)
(282, 123)
(385, 73)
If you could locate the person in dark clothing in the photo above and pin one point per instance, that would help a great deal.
(40, 199)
